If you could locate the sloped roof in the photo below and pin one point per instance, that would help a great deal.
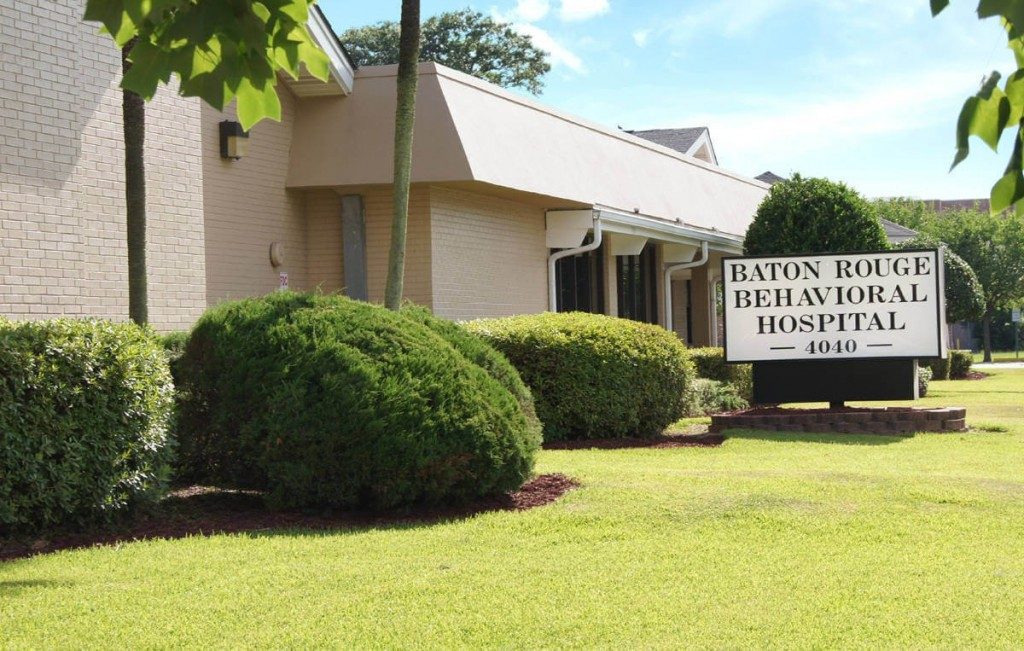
(896, 232)
(770, 177)
(682, 140)
(470, 131)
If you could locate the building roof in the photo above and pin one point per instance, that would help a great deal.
(770, 177)
(946, 205)
(679, 139)
(897, 233)
(470, 132)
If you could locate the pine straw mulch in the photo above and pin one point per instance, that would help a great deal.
(205, 511)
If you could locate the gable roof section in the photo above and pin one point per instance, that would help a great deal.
(687, 140)
(470, 131)
(770, 177)
(896, 232)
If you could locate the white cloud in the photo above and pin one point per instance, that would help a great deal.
(574, 10)
(641, 36)
(559, 54)
(800, 125)
(531, 10)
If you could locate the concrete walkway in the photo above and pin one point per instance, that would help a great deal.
(997, 365)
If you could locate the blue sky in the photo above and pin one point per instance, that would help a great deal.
(862, 91)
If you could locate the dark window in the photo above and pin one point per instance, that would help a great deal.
(689, 312)
(579, 282)
(637, 277)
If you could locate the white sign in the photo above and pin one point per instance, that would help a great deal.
(1016, 315)
(834, 306)
(282, 281)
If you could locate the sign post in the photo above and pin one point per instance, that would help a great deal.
(835, 327)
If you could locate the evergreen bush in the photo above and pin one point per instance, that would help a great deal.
(326, 401)
(594, 376)
(960, 362)
(814, 216)
(710, 364)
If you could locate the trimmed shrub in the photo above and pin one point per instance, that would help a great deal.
(710, 364)
(814, 216)
(594, 376)
(960, 362)
(174, 343)
(940, 367)
(714, 397)
(325, 401)
(965, 299)
(924, 377)
(85, 408)
(483, 355)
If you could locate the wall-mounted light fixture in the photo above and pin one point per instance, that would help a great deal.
(234, 141)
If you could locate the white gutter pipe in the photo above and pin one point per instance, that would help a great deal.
(669, 270)
(565, 253)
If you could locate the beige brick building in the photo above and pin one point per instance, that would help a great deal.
(515, 207)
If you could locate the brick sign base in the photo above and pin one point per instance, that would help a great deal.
(890, 420)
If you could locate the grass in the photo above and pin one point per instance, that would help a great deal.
(771, 540)
(1000, 356)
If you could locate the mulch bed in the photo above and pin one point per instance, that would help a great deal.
(203, 511)
(665, 441)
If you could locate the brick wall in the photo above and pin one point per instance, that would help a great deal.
(418, 281)
(248, 208)
(62, 233)
(324, 237)
(489, 255)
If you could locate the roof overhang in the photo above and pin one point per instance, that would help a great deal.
(343, 74)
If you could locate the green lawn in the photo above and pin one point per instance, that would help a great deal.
(771, 540)
(1000, 356)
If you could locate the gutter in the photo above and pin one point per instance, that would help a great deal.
(565, 253)
(667, 285)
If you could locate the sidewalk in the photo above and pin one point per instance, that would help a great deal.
(996, 365)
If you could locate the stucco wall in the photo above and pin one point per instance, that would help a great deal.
(489, 255)
(62, 232)
(248, 208)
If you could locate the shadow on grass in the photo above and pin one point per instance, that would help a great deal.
(11, 588)
(205, 511)
(815, 437)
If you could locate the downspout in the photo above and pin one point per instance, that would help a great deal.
(669, 270)
(565, 253)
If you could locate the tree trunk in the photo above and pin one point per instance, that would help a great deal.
(133, 110)
(986, 334)
(405, 115)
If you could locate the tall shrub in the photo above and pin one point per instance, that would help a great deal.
(804, 215)
(325, 401)
(85, 408)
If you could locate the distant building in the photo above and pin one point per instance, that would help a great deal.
(769, 177)
(692, 141)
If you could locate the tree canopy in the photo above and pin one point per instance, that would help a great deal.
(965, 297)
(993, 245)
(814, 216)
(994, 108)
(223, 50)
(465, 40)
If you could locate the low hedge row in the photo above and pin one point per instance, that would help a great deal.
(324, 401)
(85, 412)
(595, 376)
(956, 365)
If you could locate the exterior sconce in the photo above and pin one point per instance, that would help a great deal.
(234, 142)
(276, 254)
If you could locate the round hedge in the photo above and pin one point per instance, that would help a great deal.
(594, 376)
(814, 216)
(965, 298)
(85, 408)
(325, 401)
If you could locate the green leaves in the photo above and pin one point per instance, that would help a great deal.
(220, 50)
(993, 109)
